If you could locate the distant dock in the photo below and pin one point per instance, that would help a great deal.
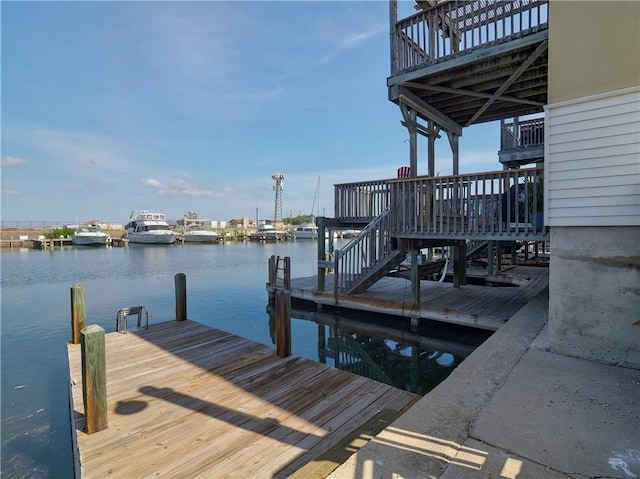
(187, 400)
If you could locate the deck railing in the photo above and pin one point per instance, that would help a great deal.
(522, 134)
(504, 204)
(455, 26)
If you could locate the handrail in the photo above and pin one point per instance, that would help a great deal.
(362, 253)
(504, 204)
(456, 26)
(522, 134)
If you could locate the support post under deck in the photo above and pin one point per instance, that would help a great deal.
(321, 253)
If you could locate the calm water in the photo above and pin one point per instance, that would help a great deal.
(225, 289)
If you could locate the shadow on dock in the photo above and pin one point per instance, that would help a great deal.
(186, 400)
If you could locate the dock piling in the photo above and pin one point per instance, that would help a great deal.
(181, 296)
(78, 312)
(94, 378)
(283, 323)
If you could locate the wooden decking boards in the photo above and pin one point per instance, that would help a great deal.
(186, 400)
(471, 305)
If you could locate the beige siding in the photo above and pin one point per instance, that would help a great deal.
(594, 47)
(593, 160)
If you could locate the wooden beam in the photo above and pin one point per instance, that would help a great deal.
(411, 122)
(427, 110)
(536, 53)
(458, 91)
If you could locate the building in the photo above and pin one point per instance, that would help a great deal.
(565, 86)
(241, 223)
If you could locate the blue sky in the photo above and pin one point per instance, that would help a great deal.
(192, 106)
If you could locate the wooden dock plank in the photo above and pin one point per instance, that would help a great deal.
(471, 305)
(186, 400)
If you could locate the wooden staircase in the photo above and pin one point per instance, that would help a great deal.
(366, 258)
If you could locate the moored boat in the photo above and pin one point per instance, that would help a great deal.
(90, 235)
(199, 235)
(149, 228)
(194, 230)
(306, 231)
(267, 232)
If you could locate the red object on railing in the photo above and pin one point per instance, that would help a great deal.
(404, 172)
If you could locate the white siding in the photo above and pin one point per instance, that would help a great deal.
(592, 160)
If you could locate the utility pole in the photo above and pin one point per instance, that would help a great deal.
(278, 187)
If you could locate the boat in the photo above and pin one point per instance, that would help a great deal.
(306, 231)
(149, 228)
(266, 232)
(197, 234)
(350, 233)
(90, 235)
(194, 230)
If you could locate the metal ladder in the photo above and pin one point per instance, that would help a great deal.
(123, 314)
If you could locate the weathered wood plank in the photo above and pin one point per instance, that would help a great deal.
(186, 400)
(471, 305)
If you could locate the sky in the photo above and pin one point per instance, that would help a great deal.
(109, 107)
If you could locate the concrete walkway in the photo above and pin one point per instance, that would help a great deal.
(513, 409)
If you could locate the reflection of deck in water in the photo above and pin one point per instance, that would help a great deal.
(347, 354)
(187, 400)
(471, 305)
(388, 352)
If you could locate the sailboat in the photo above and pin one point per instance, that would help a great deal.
(309, 230)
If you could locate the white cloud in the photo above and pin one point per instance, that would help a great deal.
(9, 191)
(179, 186)
(75, 149)
(351, 40)
(12, 161)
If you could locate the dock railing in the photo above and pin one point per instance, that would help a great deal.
(499, 205)
(456, 26)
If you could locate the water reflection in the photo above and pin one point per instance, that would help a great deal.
(375, 349)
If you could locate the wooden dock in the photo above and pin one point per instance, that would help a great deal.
(187, 400)
(482, 307)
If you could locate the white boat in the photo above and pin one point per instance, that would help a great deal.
(306, 231)
(150, 228)
(197, 234)
(266, 233)
(90, 235)
(194, 230)
(350, 233)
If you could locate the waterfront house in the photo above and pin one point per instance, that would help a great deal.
(563, 80)
(241, 223)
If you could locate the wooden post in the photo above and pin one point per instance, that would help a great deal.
(181, 296)
(78, 312)
(490, 257)
(94, 379)
(272, 271)
(287, 273)
(322, 254)
(415, 277)
(459, 265)
(283, 323)
(271, 281)
(514, 254)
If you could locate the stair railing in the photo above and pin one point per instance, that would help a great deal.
(363, 252)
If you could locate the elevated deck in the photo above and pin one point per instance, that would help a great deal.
(186, 400)
(474, 306)
(463, 62)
